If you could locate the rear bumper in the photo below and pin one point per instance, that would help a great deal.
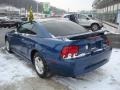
(76, 67)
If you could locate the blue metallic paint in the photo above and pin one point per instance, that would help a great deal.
(50, 49)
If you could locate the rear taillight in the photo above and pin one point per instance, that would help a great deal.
(69, 52)
(107, 42)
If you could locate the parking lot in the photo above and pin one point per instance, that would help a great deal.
(17, 70)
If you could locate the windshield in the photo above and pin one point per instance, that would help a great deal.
(63, 28)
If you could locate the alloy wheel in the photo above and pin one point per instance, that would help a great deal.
(39, 65)
(7, 45)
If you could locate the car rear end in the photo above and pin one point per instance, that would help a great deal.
(85, 53)
(81, 52)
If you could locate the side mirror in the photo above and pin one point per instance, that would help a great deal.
(13, 31)
(87, 19)
(18, 25)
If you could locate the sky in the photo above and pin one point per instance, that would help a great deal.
(71, 5)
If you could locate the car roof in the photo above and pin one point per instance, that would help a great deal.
(51, 19)
(74, 14)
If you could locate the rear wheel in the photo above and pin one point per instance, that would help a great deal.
(95, 27)
(41, 66)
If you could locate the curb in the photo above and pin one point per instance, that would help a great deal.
(110, 24)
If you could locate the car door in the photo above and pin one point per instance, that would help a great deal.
(27, 34)
(83, 20)
(16, 40)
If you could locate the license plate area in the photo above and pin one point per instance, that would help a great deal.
(96, 46)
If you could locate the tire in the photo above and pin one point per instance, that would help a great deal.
(95, 27)
(41, 66)
(7, 46)
(9, 26)
(4, 26)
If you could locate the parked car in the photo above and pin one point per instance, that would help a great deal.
(6, 22)
(59, 46)
(86, 21)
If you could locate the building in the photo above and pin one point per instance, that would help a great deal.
(106, 9)
(8, 11)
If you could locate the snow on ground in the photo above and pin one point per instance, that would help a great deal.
(13, 69)
(105, 78)
(18, 74)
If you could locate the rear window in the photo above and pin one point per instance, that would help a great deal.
(63, 28)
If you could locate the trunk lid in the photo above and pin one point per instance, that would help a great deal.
(89, 43)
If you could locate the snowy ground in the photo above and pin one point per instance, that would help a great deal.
(18, 74)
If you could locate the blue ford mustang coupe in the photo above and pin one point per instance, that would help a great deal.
(60, 47)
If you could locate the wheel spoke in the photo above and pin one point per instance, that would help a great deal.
(39, 65)
(7, 45)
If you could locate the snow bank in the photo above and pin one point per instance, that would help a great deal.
(104, 78)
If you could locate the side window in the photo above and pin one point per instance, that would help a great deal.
(67, 16)
(27, 29)
(82, 17)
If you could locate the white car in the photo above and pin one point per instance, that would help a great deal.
(4, 18)
(86, 21)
